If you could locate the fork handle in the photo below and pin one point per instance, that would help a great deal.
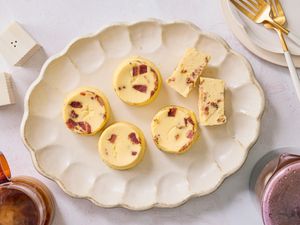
(293, 72)
(294, 38)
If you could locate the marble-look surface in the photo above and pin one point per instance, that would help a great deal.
(55, 23)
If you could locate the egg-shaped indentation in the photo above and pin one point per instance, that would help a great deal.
(78, 178)
(146, 36)
(179, 36)
(54, 159)
(140, 192)
(247, 99)
(108, 189)
(45, 101)
(87, 55)
(172, 188)
(115, 41)
(229, 154)
(62, 74)
(204, 174)
(235, 71)
(209, 45)
(243, 128)
(40, 132)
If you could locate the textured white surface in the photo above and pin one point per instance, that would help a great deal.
(55, 23)
(161, 180)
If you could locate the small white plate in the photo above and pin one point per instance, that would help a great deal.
(243, 36)
(267, 39)
(161, 180)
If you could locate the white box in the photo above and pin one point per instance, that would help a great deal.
(6, 90)
(16, 45)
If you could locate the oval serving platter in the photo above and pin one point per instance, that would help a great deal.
(160, 180)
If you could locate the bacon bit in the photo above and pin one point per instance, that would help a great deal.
(171, 79)
(133, 153)
(75, 104)
(172, 112)
(82, 93)
(112, 138)
(100, 100)
(213, 104)
(85, 126)
(183, 71)
(184, 147)
(73, 114)
(190, 134)
(135, 71)
(143, 69)
(177, 136)
(140, 88)
(133, 138)
(206, 110)
(221, 119)
(155, 139)
(71, 124)
(189, 81)
(188, 120)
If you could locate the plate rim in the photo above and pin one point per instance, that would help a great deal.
(155, 204)
(239, 32)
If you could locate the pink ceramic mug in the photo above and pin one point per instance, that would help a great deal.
(278, 189)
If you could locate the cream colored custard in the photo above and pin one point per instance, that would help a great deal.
(86, 111)
(186, 74)
(174, 129)
(211, 102)
(122, 146)
(137, 81)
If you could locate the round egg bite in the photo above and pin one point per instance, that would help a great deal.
(122, 145)
(86, 111)
(174, 129)
(137, 81)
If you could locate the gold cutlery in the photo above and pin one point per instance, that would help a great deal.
(279, 16)
(260, 12)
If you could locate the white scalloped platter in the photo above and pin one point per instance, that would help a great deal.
(161, 179)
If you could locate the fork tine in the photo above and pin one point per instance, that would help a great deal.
(279, 8)
(248, 6)
(242, 9)
(273, 9)
(254, 3)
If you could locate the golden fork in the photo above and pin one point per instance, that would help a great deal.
(259, 11)
(279, 17)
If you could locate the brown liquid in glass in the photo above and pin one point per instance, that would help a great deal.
(25, 201)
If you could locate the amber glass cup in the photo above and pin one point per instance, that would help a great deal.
(23, 200)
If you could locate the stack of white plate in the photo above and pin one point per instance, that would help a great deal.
(263, 42)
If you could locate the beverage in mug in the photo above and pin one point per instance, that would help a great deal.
(23, 200)
(277, 186)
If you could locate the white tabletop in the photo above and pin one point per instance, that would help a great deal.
(53, 23)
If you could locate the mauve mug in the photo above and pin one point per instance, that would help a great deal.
(276, 183)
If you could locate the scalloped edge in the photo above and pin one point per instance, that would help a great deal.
(159, 205)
